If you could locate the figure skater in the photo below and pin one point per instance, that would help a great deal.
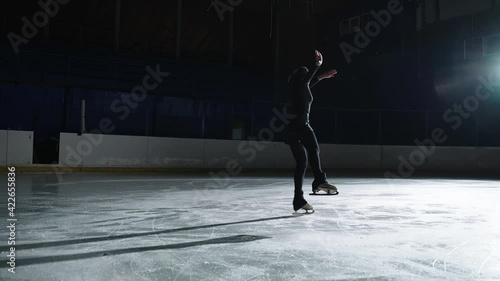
(300, 135)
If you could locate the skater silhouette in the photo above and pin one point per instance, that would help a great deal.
(300, 135)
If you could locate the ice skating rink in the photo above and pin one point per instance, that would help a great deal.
(160, 227)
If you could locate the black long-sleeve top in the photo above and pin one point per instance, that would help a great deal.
(301, 97)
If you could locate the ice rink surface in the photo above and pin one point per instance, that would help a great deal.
(160, 227)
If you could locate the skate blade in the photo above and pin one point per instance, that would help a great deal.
(303, 212)
(324, 194)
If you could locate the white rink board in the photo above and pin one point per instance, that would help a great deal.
(176, 153)
(453, 158)
(117, 151)
(3, 147)
(488, 158)
(132, 151)
(394, 157)
(283, 157)
(265, 158)
(356, 156)
(68, 154)
(20, 147)
(218, 153)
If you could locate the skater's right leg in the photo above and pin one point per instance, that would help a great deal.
(311, 144)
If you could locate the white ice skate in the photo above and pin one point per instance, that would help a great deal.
(307, 207)
(327, 188)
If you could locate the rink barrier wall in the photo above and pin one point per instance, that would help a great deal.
(131, 151)
(3, 147)
(16, 147)
(437, 158)
(488, 158)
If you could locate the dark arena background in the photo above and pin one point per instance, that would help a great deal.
(169, 140)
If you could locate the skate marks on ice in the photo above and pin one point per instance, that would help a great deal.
(439, 227)
(422, 203)
(70, 257)
(483, 254)
(371, 232)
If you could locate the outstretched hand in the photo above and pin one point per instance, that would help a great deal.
(319, 58)
(329, 74)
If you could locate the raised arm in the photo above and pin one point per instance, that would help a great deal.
(326, 75)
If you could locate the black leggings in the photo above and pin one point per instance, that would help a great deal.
(305, 149)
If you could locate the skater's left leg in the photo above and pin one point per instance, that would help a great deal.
(300, 156)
